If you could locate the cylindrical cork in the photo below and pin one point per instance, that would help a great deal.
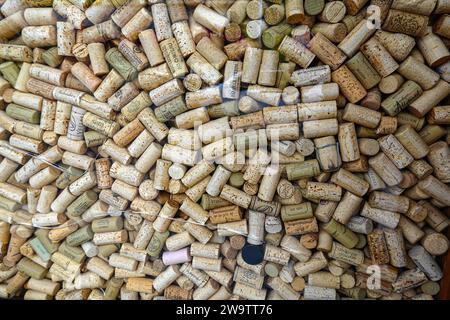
(133, 53)
(151, 47)
(326, 51)
(327, 153)
(355, 38)
(429, 99)
(425, 262)
(342, 234)
(348, 142)
(384, 217)
(437, 156)
(268, 68)
(363, 70)
(386, 169)
(407, 23)
(174, 57)
(379, 57)
(296, 52)
(378, 247)
(274, 14)
(386, 201)
(333, 12)
(232, 80)
(347, 208)
(412, 142)
(402, 98)
(184, 38)
(395, 151)
(161, 21)
(349, 85)
(65, 34)
(438, 53)
(435, 189)
(414, 70)
(139, 22)
(335, 32)
(210, 19)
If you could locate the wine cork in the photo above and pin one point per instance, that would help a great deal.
(351, 88)
(204, 69)
(391, 83)
(296, 52)
(39, 36)
(379, 57)
(324, 279)
(210, 19)
(341, 233)
(354, 6)
(320, 128)
(161, 21)
(101, 32)
(416, 71)
(151, 47)
(434, 188)
(348, 143)
(425, 262)
(386, 169)
(395, 151)
(341, 253)
(120, 64)
(333, 12)
(133, 54)
(368, 147)
(436, 157)
(139, 22)
(214, 55)
(378, 247)
(389, 202)
(439, 54)
(364, 71)
(412, 142)
(274, 14)
(412, 24)
(356, 37)
(387, 218)
(327, 153)
(326, 51)
(429, 99)
(347, 208)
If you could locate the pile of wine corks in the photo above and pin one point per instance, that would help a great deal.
(222, 149)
